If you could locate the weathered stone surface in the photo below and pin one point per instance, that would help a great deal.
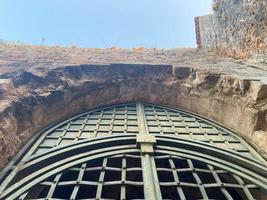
(37, 91)
(237, 28)
(182, 72)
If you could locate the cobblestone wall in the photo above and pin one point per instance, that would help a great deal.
(236, 28)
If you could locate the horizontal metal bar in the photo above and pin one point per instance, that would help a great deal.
(21, 187)
(83, 143)
(261, 181)
(209, 149)
(215, 124)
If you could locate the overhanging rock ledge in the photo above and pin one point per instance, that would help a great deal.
(40, 86)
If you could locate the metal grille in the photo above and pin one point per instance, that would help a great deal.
(120, 177)
(167, 121)
(182, 178)
(105, 122)
(117, 177)
(123, 119)
(137, 151)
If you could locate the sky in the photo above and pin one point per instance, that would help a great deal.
(102, 23)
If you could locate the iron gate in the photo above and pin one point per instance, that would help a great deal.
(137, 151)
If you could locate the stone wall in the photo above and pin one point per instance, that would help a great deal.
(40, 86)
(236, 28)
(36, 100)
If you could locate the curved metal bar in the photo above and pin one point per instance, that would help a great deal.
(49, 130)
(79, 144)
(21, 187)
(231, 161)
(211, 150)
(39, 167)
(254, 172)
(9, 171)
(215, 124)
(208, 121)
(85, 147)
(222, 164)
(96, 145)
(224, 159)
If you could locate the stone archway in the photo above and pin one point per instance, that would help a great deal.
(137, 150)
(38, 98)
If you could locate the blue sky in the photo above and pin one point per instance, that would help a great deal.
(102, 23)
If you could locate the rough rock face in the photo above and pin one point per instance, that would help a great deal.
(37, 91)
(237, 28)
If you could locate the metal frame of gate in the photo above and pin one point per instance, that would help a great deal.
(248, 171)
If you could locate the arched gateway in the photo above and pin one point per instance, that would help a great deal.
(137, 151)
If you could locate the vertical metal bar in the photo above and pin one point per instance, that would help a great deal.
(79, 179)
(219, 182)
(98, 124)
(176, 179)
(198, 180)
(112, 121)
(157, 120)
(53, 186)
(125, 120)
(244, 187)
(174, 130)
(203, 131)
(123, 179)
(186, 127)
(82, 128)
(101, 179)
(141, 119)
(22, 197)
(150, 176)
